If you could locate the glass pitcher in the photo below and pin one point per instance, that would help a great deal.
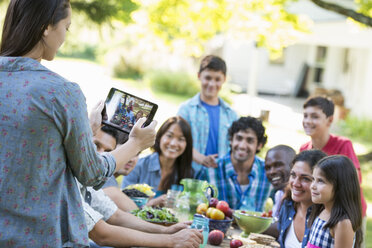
(194, 192)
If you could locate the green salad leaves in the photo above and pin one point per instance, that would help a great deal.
(162, 215)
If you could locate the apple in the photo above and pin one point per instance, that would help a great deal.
(270, 213)
(229, 213)
(215, 237)
(209, 211)
(217, 214)
(213, 202)
(235, 243)
(202, 208)
(223, 206)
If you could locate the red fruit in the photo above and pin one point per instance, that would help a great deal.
(215, 237)
(235, 243)
(264, 214)
(270, 213)
(223, 206)
(229, 213)
(243, 212)
(213, 202)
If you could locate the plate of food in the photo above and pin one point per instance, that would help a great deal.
(156, 215)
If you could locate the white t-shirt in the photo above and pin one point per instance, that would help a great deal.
(291, 240)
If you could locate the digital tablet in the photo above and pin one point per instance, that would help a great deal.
(122, 110)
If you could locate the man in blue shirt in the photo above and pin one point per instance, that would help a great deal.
(240, 176)
(208, 115)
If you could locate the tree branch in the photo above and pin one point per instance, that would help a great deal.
(359, 17)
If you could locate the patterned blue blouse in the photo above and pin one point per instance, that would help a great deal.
(45, 140)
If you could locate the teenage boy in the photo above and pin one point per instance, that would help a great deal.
(277, 166)
(208, 115)
(317, 120)
(240, 176)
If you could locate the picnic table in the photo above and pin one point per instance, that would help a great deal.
(232, 232)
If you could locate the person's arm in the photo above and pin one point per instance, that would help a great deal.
(121, 200)
(139, 139)
(158, 201)
(105, 234)
(343, 234)
(208, 161)
(69, 113)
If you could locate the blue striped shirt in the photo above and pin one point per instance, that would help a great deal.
(225, 178)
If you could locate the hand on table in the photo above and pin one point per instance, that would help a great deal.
(177, 227)
(187, 238)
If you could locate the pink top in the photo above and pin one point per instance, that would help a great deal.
(338, 145)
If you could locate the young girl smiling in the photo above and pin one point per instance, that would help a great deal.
(337, 216)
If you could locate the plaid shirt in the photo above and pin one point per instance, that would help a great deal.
(320, 237)
(225, 179)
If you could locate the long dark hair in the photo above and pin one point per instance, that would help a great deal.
(182, 167)
(26, 21)
(310, 157)
(340, 171)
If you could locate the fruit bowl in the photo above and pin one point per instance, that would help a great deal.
(140, 201)
(250, 221)
(222, 225)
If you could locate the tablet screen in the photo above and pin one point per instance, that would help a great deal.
(122, 110)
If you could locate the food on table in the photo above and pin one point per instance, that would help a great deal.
(267, 214)
(217, 214)
(223, 206)
(261, 238)
(209, 211)
(202, 208)
(215, 237)
(155, 214)
(235, 243)
(218, 220)
(261, 241)
(134, 193)
(213, 202)
(145, 188)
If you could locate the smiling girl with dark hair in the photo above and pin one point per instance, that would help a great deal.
(170, 162)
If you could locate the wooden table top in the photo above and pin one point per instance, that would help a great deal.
(232, 232)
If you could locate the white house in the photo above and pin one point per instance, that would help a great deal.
(338, 53)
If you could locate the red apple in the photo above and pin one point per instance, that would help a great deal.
(235, 243)
(223, 206)
(229, 213)
(215, 237)
(213, 202)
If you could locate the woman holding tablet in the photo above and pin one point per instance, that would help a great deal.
(46, 139)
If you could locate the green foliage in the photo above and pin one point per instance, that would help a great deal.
(100, 12)
(124, 69)
(83, 51)
(356, 128)
(179, 83)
